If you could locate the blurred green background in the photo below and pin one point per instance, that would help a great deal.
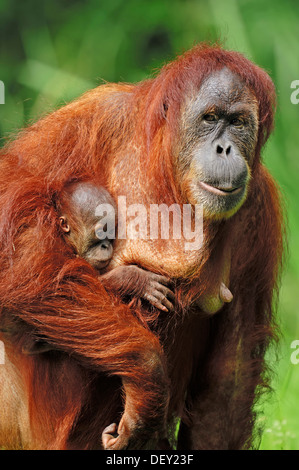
(52, 51)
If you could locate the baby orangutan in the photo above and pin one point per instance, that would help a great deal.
(92, 236)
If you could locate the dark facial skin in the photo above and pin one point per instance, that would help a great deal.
(89, 235)
(220, 131)
(94, 246)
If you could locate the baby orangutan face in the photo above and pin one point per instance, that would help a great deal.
(89, 234)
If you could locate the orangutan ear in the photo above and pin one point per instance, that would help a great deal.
(64, 224)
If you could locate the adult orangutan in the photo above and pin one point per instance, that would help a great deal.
(128, 372)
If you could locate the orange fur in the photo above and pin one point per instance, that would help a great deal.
(206, 371)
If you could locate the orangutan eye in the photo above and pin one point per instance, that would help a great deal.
(237, 122)
(210, 117)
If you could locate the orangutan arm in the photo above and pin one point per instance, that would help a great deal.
(136, 282)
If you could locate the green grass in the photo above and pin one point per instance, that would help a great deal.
(281, 413)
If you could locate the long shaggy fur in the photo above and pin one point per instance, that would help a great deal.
(206, 371)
